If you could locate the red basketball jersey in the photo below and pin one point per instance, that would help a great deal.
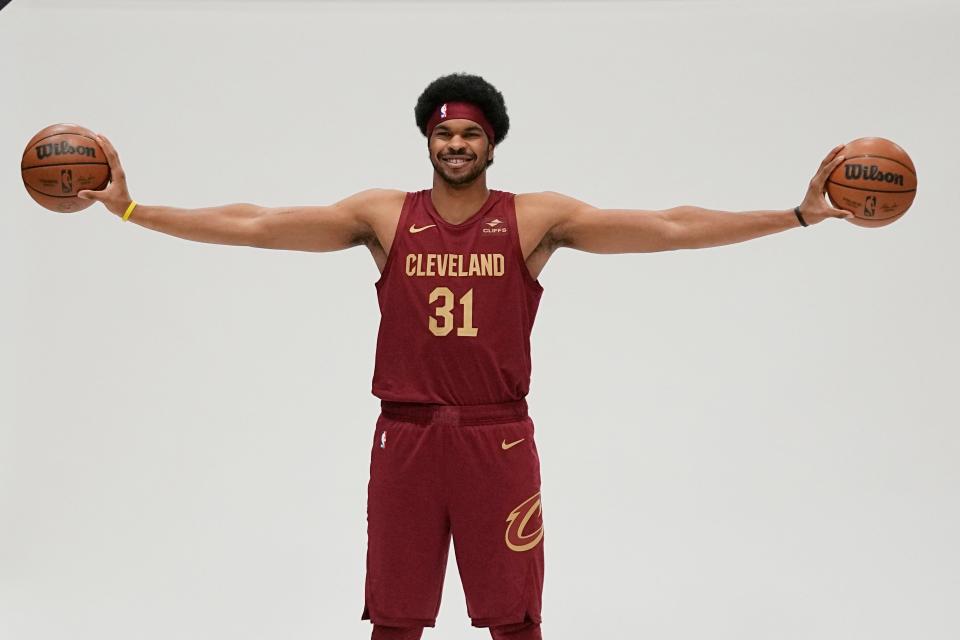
(457, 305)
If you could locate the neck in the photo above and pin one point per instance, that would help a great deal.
(457, 203)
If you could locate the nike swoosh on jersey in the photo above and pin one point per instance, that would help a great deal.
(413, 228)
(506, 446)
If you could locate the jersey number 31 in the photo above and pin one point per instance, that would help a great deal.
(442, 324)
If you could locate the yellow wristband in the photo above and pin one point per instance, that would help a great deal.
(133, 203)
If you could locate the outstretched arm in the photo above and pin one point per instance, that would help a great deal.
(581, 226)
(309, 228)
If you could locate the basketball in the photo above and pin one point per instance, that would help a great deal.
(876, 181)
(61, 160)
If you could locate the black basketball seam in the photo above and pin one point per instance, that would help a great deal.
(67, 133)
(847, 186)
(869, 155)
(62, 164)
(50, 195)
(875, 219)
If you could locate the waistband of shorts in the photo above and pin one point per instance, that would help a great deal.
(464, 414)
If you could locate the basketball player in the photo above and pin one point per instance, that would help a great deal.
(453, 451)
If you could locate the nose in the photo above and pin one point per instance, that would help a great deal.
(457, 142)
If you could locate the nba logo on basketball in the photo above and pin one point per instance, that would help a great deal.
(443, 111)
(66, 181)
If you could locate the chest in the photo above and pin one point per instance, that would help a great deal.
(532, 231)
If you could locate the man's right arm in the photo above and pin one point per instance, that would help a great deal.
(306, 228)
(323, 228)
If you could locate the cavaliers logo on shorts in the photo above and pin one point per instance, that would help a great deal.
(518, 537)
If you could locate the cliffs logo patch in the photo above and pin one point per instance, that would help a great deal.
(494, 226)
(518, 536)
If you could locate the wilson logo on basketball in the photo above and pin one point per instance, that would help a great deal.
(518, 522)
(63, 149)
(871, 172)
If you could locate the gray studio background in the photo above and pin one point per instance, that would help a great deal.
(747, 442)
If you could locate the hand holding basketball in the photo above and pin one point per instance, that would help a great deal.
(877, 182)
(116, 196)
(815, 207)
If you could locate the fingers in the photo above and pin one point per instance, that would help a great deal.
(113, 158)
(830, 155)
(833, 164)
(116, 189)
(840, 213)
(819, 181)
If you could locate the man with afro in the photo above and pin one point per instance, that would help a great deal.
(453, 454)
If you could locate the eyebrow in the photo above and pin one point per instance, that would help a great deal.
(444, 127)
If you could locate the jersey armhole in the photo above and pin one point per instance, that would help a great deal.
(518, 251)
(394, 246)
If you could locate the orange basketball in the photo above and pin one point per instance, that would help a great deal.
(876, 181)
(60, 161)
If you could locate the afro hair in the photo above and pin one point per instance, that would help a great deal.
(463, 87)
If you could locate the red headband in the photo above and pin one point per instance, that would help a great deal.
(465, 110)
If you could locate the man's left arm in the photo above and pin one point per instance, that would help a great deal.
(581, 226)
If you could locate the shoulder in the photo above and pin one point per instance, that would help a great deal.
(550, 210)
(373, 199)
(364, 213)
(375, 209)
(549, 201)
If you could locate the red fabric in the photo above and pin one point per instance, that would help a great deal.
(454, 110)
(469, 473)
(415, 363)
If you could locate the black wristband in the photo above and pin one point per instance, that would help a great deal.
(796, 210)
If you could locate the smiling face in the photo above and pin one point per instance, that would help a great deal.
(459, 151)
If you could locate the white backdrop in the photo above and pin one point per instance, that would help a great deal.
(747, 442)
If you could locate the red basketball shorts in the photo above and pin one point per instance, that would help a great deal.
(470, 472)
